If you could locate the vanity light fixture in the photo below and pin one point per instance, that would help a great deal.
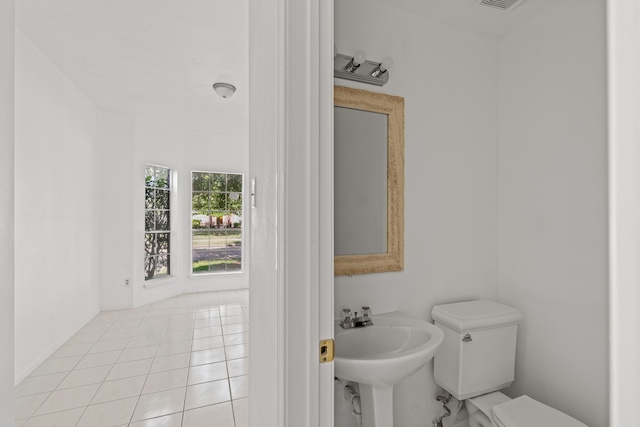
(224, 90)
(359, 69)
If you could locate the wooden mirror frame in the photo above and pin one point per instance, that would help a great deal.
(393, 107)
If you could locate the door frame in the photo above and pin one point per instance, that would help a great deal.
(291, 163)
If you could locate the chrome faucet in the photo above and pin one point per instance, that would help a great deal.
(347, 321)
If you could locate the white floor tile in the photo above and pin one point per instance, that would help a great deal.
(207, 394)
(119, 389)
(99, 359)
(207, 356)
(206, 343)
(158, 404)
(108, 414)
(52, 366)
(57, 419)
(205, 373)
(236, 328)
(85, 337)
(176, 363)
(176, 347)
(109, 345)
(80, 377)
(69, 350)
(173, 420)
(28, 405)
(233, 339)
(61, 400)
(167, 380)
(168, 363)
(238, 366)
(41, 384)
(129, 369)
(237, 351)
(239, 386)
(221, 413)
(241, 412)
(138, 353)
(211, 331)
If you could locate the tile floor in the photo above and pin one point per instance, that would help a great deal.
(179, 362)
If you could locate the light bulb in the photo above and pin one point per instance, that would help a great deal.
(359, 57)
(386, 64)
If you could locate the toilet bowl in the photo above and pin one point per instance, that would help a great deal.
(477, 358)
(497, 410)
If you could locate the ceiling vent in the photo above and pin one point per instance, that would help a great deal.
(504, 5)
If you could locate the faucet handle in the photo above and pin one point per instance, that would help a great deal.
(346, 314)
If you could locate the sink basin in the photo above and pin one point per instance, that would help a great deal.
(382, 355)
(387, 352)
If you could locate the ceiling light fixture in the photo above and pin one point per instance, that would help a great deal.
(224, 90)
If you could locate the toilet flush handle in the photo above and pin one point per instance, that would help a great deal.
(467, 338)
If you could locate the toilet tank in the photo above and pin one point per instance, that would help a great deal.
(478, 353)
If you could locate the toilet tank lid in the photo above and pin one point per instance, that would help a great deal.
(527, 412)
(478, 314)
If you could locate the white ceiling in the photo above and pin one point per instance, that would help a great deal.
(159, 58)
(154, 58)
(469, 14)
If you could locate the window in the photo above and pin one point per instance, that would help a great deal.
(157, 222)
(216, 222)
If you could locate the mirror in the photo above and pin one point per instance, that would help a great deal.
(368, 182)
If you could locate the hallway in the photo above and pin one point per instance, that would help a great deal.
(182, 361)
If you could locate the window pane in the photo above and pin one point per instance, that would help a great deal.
(162, 220)
(149, 223)
(162, 199)
(200, 203)
(162, 266)
(162, 178)
(200, 240)
(218, 203)
(234, 261)
(217, 260)
(163, 242)
(218, 239)
(150, 267)
(149, 244)
(148, 175)
(234, 183)
(234, 203)
(200, 181)
(218, 182)
(148, 198)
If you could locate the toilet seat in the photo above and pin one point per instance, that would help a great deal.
(527, 412)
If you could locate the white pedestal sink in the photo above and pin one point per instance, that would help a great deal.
(381, 355)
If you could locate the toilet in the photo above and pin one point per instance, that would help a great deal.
(477, 358)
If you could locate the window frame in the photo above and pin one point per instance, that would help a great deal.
(210, 273)
(171, 199)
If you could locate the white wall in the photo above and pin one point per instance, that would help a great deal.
(116, 147)
(553, 206)
(447, 77)
(56, 215)
(7, 49)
